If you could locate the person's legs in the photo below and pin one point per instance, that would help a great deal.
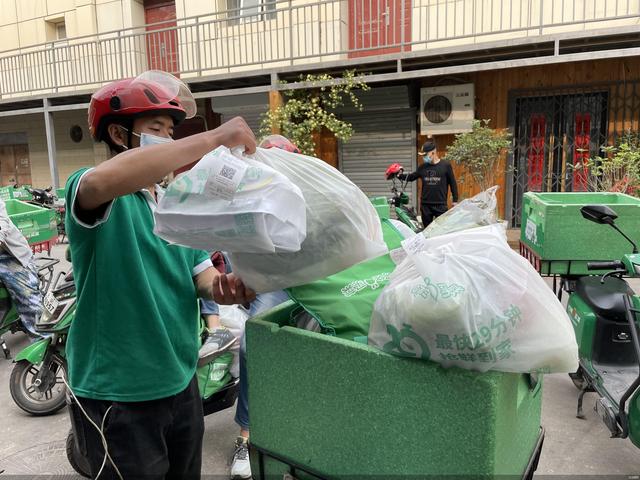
(240, 467)
(220, 338)
(210, 310)
(152, 440)
(242, 408)
(23, 286)
(263, 302)
(184, 439)
(266, 301)
(438, 210)
(427, 215)
(134, 434)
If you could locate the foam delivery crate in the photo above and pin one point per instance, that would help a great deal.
(11, 193)
(558, 240)
(37, 224)
(381, 204)
(325, 407)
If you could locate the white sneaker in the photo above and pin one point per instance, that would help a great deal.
(218, 342)
(240, 466)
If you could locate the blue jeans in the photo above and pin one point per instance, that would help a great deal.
(22, 283)
(209, 307)
(263, 302)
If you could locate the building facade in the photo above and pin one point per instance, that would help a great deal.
(562, 76)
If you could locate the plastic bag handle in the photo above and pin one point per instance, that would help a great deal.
(238, 151)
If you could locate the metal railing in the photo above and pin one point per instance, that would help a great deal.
(282, 33)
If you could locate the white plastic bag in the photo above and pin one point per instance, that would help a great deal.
(476, 211)
(343, 227)
(468, 300)
(232, 204)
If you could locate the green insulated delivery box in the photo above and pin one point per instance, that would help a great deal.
(558, 240)
(11, 193)
(332, 408)
(37, 224)
(381, 204)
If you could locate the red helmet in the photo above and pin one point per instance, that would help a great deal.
(393, 170)
(278, 141)
(126, 99)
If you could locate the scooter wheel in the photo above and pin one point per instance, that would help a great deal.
(38, 401)
(77, 461)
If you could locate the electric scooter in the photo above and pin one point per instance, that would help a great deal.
(603, 310)
(36, 384)
(400, 200)
(9, 317)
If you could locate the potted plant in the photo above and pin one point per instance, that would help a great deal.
(479, 151)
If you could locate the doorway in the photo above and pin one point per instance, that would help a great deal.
(553, 136)
(162, 42)
(376, 27)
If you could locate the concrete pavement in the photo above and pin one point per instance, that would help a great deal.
(575, 448)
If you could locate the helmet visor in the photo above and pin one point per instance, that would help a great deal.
(166, 88)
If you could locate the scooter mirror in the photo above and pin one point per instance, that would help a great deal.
(599, 214)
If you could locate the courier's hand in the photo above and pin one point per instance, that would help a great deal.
(234, 133)
(229, 290)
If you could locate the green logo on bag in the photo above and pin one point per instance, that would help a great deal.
(184, 186)
(406, 343)
(437, 290)
(373, 283)
(218, 372)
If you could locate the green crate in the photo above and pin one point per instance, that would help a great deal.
(555, 231)
(60, 193)
(37, 224)
(21, 193)
(6, 193)
(345, 410)
(381, 204)
(11, 193)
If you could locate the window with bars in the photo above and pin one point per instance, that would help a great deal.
(557, 129)
(243, 11)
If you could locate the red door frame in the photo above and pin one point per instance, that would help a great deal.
(581, 153)
(378, 23)
(162, 47)
(535, 156)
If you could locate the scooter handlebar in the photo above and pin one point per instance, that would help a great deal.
(613, 265)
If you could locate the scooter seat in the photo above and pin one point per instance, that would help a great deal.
(605, 299)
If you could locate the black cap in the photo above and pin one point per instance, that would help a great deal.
(428, 146)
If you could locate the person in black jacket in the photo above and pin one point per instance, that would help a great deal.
(437, 178)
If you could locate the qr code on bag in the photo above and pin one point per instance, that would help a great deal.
(228, 172)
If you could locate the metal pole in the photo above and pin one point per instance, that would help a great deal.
(402, 20)
(198, 54)
(120, 55)
(541, 14)
(290, 32)
(51, 144)
(54, 67)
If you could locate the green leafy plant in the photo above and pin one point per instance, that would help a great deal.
(617, 169)
(479, 151)
(306, 111)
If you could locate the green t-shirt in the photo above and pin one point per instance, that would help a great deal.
(135, 333)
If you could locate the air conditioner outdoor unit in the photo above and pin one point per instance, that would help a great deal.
(447, 109)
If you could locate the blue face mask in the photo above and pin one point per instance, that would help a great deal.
(147, 139)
